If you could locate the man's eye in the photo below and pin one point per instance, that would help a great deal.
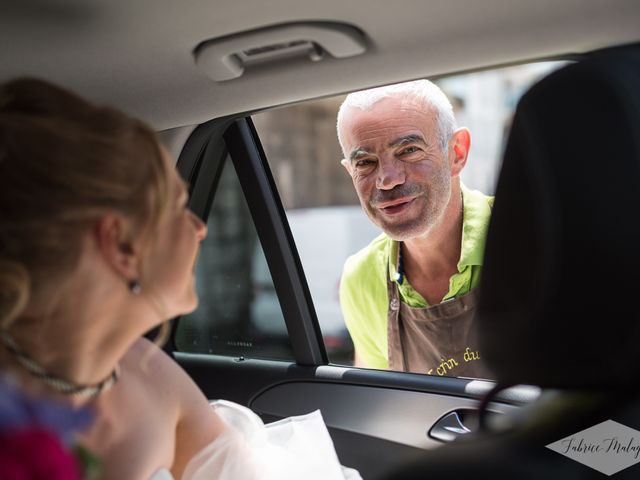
(408, 150)
(364, 163)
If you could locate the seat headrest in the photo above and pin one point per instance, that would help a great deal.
(562, 264)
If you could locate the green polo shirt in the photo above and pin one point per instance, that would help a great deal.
(363, 289)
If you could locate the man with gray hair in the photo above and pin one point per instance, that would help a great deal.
(408, 298)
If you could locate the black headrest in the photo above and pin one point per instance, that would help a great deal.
(562, 264)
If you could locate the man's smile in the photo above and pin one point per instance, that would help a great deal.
(396, 206)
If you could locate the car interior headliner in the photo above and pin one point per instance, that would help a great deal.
(138, 55)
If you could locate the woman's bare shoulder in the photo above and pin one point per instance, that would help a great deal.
(197, 424)
(152, 366)
(162, 374)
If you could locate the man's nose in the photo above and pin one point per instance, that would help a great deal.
(391, 173)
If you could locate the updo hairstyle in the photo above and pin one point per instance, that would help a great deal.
(65, 162)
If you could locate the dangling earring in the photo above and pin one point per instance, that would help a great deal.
(134, 286)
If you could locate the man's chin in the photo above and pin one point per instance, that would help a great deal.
(402, 231)
(400, 237)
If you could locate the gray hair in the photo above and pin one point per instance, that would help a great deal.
(419, 89)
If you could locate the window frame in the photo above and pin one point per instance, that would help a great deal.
(200, 164)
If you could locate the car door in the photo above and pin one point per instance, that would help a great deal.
(255, 338)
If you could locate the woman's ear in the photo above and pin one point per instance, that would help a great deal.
(115, 242)
(460, 144)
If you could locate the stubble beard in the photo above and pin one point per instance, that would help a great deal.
(435, 197)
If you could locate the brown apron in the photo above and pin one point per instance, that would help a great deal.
(437, 340)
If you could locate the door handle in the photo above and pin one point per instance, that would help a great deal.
(452, 426)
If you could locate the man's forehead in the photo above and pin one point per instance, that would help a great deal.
(380, 127)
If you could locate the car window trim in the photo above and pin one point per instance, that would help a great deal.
(271, 224)
(199, 164)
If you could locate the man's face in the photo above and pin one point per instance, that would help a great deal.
(401, 175)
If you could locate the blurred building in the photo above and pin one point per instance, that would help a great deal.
(304, 155)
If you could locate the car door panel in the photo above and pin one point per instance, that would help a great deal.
(375, 418)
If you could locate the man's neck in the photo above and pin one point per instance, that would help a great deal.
(431, 260)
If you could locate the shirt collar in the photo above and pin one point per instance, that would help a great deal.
(476, 215)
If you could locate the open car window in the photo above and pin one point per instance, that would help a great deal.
(321, 205)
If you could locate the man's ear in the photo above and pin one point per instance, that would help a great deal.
(347, 165)
(115, 242)
(460, 144)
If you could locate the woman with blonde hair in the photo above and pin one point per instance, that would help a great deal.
(97, 247)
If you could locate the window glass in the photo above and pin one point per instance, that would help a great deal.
(239, 313)
(322, 207)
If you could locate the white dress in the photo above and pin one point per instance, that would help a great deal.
(291, 449)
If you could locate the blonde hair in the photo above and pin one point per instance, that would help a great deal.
(64, 162)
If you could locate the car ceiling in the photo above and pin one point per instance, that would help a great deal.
(138, 55)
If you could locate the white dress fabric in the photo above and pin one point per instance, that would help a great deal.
(162, 474)
(294, 448)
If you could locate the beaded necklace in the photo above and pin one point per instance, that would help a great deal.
(56, 383)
